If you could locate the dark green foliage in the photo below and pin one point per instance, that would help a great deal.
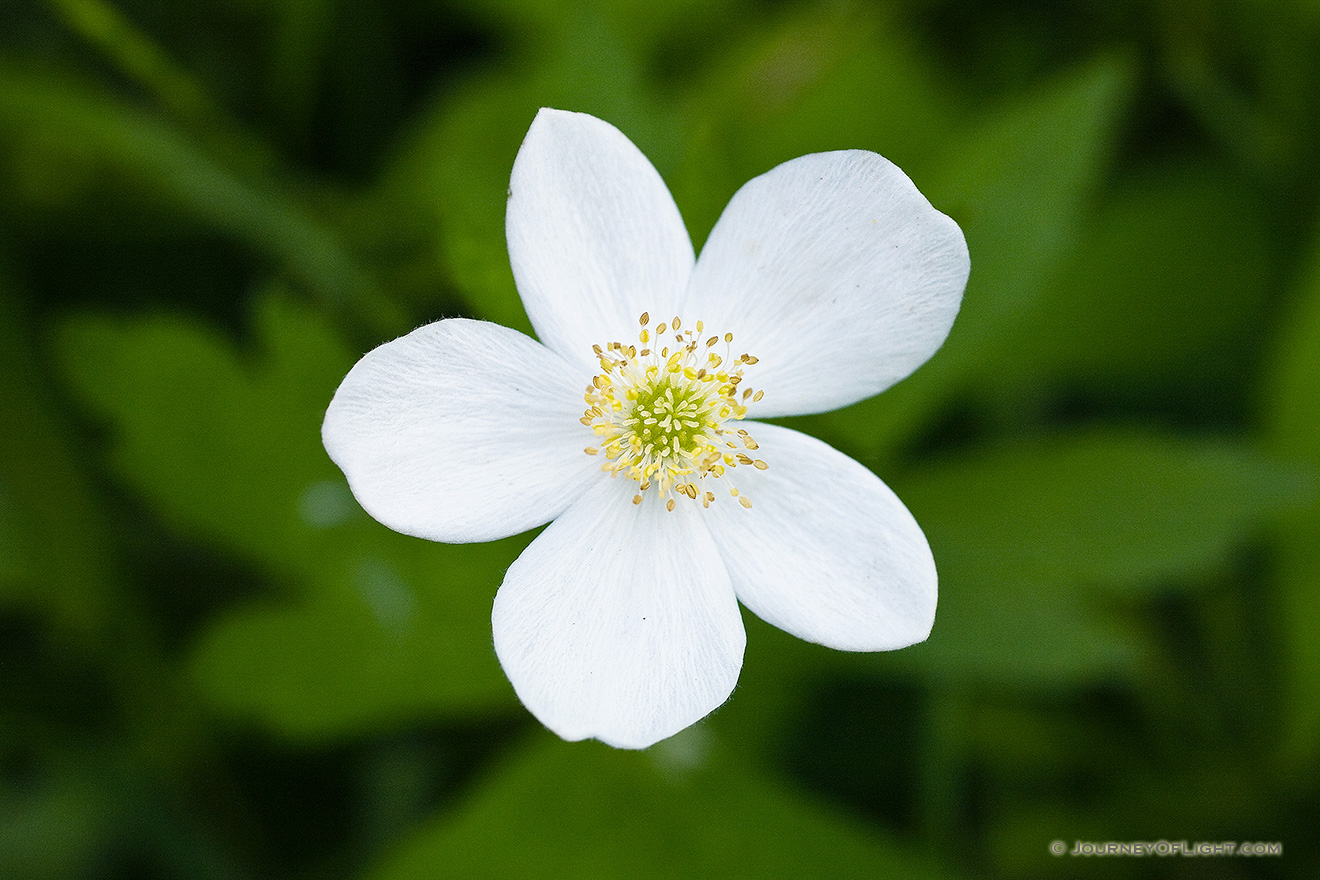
(213, 664)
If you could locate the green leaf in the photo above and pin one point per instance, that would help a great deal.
(1025, 635)
(384, 640)
(677, 810)
(15, 540)
(55, 828)
(1028, 538)
(1173, 281)
(106, 29)
(1020, 186)
(225, 445)
(1115, 508)
(1293, 405)
(55, 553)
(1294, 422)
(639, 25)
(63, 120)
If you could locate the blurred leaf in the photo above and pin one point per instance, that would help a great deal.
(54, 550)
(1294, 422)
(1111, 507)
(15, 557)
(1294, 405)
(1173, 281)
(585, 811)
(66, 119)
(1030, 634)
(640, 25)
(223, 444)
(104, 27)
(93, 651)
(300, 31)
(385, 640)
(1020, 186)
(1027, 538)
(54, 829)
(226, 448)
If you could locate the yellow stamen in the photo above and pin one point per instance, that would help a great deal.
(664, 418)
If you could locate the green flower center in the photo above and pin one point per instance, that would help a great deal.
(665, 417)
(669, 417)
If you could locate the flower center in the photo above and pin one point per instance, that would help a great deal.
(665, 414)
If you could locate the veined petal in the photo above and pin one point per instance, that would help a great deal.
(827, 552)
(461, 431)
(836, 273)
(595, 238)
(618, 622)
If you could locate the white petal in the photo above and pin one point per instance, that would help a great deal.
(836, 273)
(595, 239)
(827, 552)
(461, 431)
(619, 622)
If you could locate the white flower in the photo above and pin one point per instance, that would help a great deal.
(826, 280)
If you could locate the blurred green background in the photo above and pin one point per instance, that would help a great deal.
(214, 665)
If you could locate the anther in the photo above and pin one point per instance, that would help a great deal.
(664, 417)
